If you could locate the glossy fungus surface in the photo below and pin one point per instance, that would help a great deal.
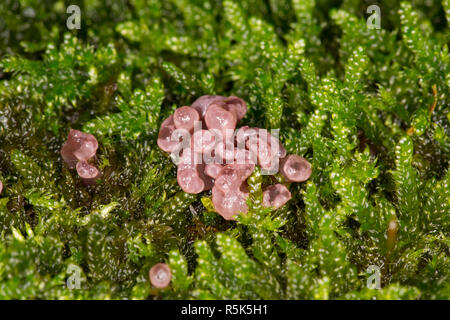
(79, 146)
(221, 158)
(160, 275)
(276, 196)
(87, 172)
(295, 168)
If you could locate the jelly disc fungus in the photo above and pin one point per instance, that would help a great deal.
(295, 168)
(79, 148)
(276, 196)
(1, 187)
(160, 275)
(216, 155)
(185, 117)
(87, 172)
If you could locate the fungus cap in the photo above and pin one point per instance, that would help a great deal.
(160, 275)
(217, 117)
(185, 117)
(213, 169)
(276, 196)
(203, 102)
(79, 146)
(164, 140)
(228, 204)
(232, 176)
(203, 141)
(1, 186)
(237, 105)
(87, 172)
(295, 168)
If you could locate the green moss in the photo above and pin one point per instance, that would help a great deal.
(369, 108)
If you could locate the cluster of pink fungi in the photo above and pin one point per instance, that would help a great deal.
(222, 158)
(79, 152)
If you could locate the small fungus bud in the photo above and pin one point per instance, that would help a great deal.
(391, 234)
(185, 117)
(276, 196)
(1, 187)
(79, 146)
(295, 168)
(160, 275)
(88, 173)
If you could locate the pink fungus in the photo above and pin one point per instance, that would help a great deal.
(217, 117)
(276, 196)
(213, 169)
(236, 105)
(79, 146)
(203, 141)
(228, 204)
(87, 172)
(160, 275)
(295, 168)
(1, 186)
(189, 180)
(202, 103)
(232, 176)
(185, 117)
(165, 141)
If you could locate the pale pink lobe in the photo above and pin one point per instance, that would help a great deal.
(295, 168)
(213, 169)
(87, 172)
(165, 141)
(232, 176)
(189, 180)
(203, 141)
(244, 134)
(1, 186)
(262, 151)
(243, 156)
(224, 152)
(229, 204)
(237, 105)
(208, 181)
(202, 103)
(217, 117)
(276, 196)
(190, 173)
(79, 146)
(185, 117)
(160, 275)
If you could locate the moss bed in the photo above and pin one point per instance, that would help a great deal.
(368, 107)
